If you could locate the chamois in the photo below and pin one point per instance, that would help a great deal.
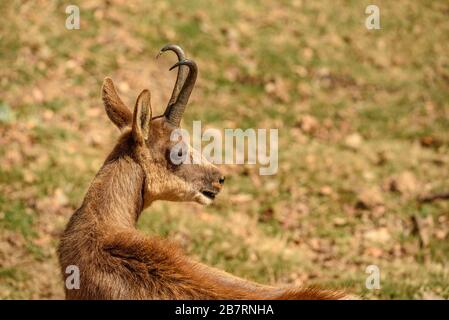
(115, 260)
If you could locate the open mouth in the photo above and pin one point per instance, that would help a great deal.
(208, 194)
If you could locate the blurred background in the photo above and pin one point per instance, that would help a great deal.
(363, 118)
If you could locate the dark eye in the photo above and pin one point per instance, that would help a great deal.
(178, 153)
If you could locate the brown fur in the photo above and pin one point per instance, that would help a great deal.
(115, 260)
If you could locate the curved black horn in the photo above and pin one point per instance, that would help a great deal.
(175, 111)
(182, 73)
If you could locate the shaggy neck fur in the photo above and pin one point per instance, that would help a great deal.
(115, 196)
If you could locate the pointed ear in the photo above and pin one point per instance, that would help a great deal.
(117, 111)
(142, 117)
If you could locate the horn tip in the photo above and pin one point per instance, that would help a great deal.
(177, 64)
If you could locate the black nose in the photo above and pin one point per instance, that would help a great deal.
(221, 180)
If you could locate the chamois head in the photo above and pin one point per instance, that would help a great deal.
(168, 176)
